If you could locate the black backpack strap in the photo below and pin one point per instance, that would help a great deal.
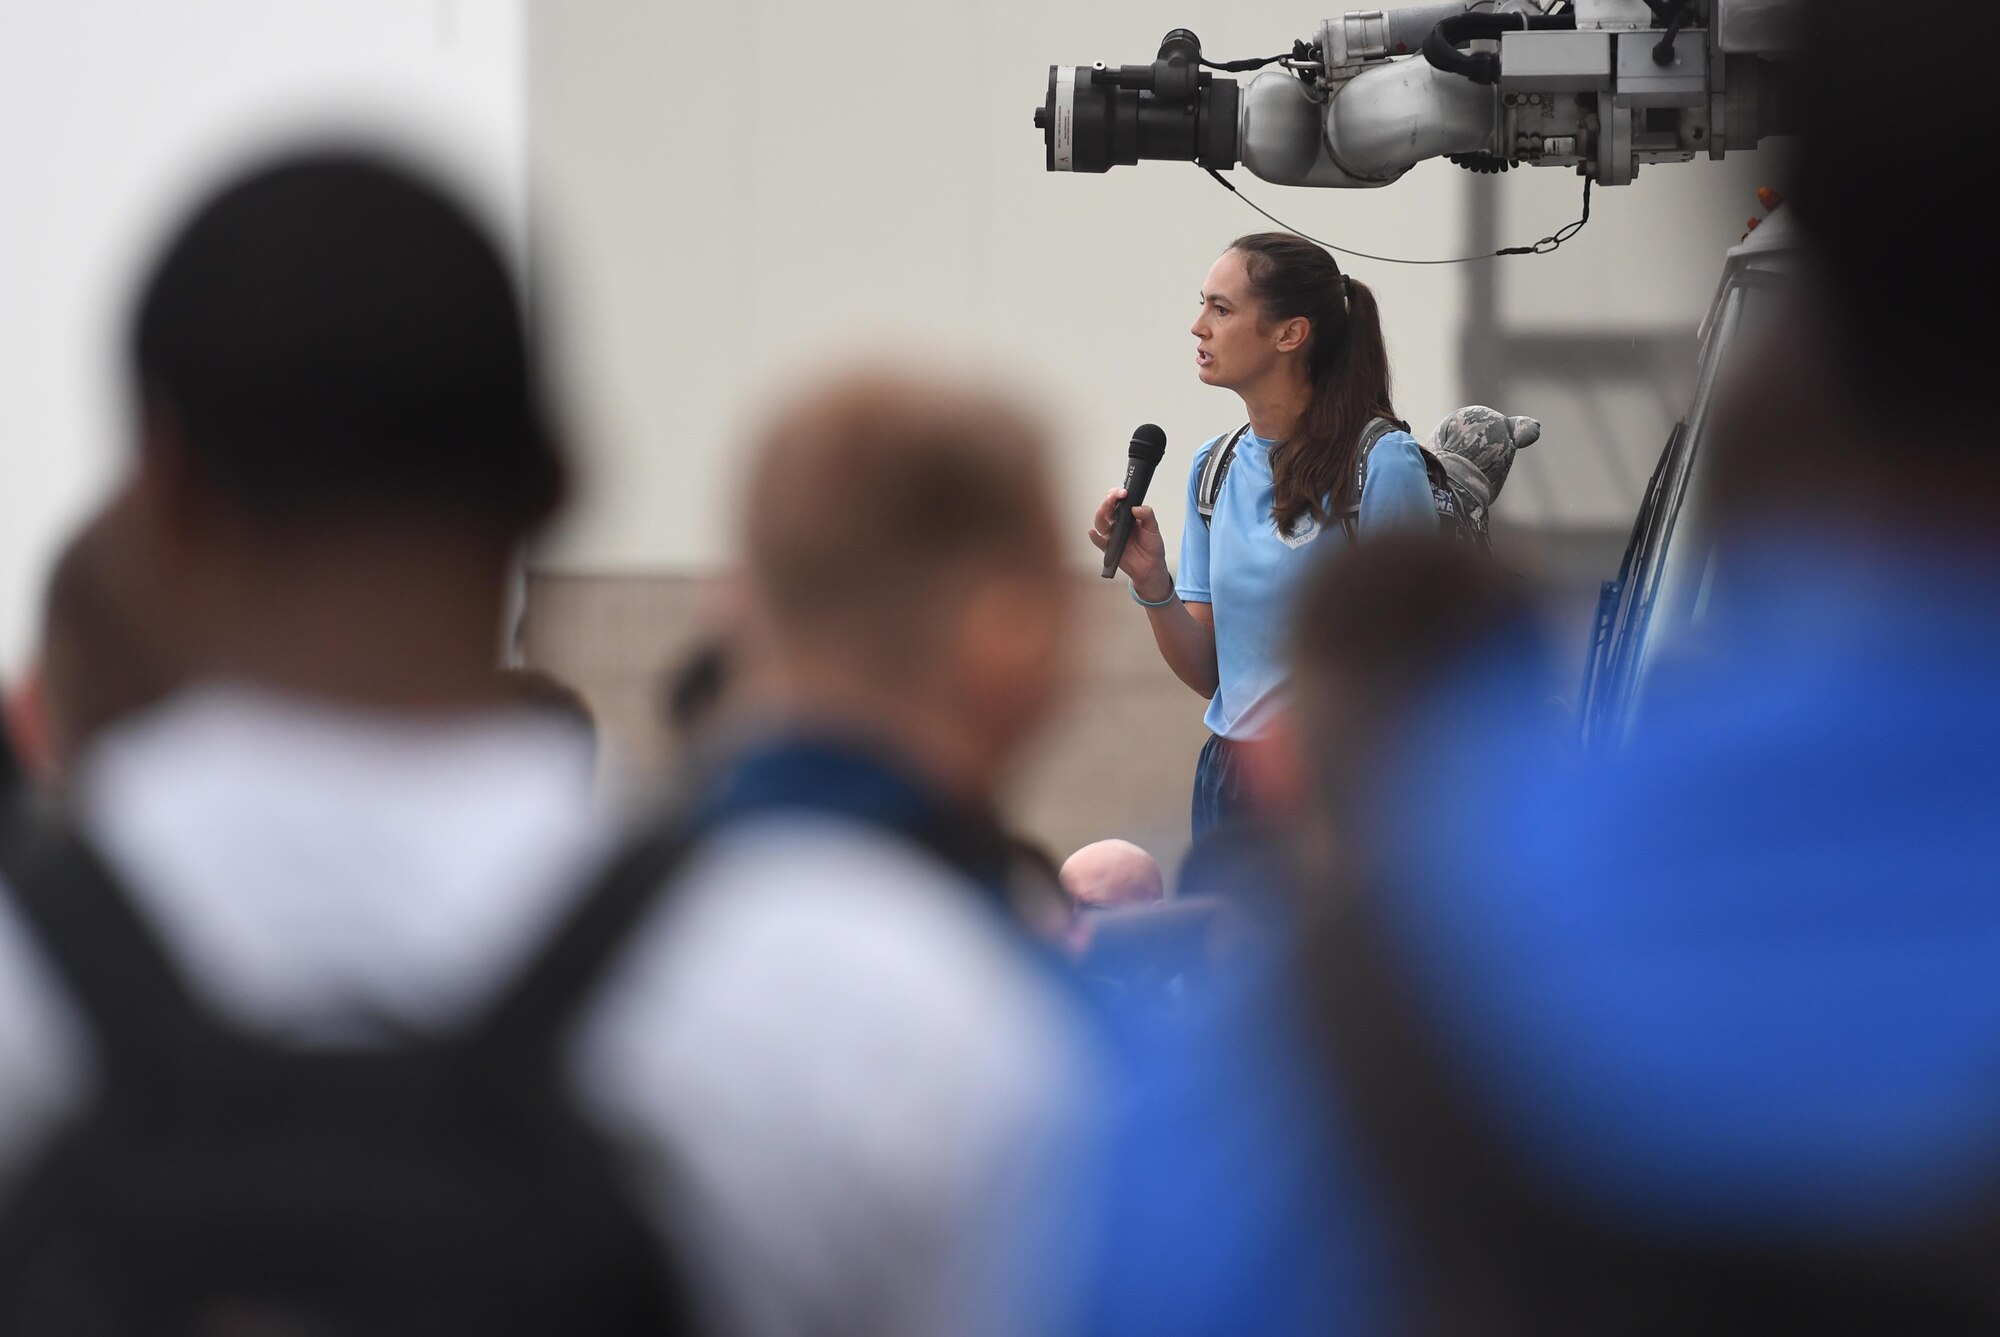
(143, 1013)
(136, 1001)
(1371, 437)
(1213, 473)
(535, 1014)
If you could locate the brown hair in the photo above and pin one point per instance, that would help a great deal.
(877, 497)
(1345, 361)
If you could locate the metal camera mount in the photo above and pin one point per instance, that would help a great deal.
(1603, 87)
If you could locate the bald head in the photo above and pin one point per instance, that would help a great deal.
(1112, 874)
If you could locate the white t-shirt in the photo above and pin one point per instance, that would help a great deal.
(842, 1085)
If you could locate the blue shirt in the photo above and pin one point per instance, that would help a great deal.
(1248, 572)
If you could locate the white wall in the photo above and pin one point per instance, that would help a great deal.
(112, 112)
(729, 194)
(726, 193)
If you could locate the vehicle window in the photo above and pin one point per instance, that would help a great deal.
(1672, 627)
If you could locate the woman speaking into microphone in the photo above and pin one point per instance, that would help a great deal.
(1301, 344)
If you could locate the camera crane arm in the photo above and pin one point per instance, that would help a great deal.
(1600, 86)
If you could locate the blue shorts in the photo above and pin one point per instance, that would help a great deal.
(1221, 785)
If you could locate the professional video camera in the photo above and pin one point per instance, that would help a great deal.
(1603, 86)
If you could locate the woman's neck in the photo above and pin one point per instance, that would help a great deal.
(1276, 405)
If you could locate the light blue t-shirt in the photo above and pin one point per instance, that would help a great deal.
(1249, 573)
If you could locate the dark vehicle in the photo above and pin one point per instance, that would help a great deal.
(1660, 596)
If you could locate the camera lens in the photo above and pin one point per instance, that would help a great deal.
(1090, 124)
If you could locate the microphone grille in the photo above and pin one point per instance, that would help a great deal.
(1148, 443)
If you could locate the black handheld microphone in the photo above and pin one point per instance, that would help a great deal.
(1149, 447)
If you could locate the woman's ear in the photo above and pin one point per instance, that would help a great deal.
(1292, 334)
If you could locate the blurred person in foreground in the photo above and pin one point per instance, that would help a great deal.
(1698, 1034)
(226, 1076)
(1371, 647)
(868, 1071)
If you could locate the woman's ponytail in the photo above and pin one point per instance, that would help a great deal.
(1313, 473)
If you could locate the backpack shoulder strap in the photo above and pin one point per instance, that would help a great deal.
(533, 1016)
(144, 1015)
(136, 1001)
(1371, 437)
(1213, 471)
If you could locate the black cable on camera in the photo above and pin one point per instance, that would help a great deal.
(1483, 67)
(1676, 15)
(1302, 50)
(1548, 245)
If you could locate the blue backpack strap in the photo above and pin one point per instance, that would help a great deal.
(1213, 472)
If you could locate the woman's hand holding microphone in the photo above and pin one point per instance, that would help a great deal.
(1144, 560)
